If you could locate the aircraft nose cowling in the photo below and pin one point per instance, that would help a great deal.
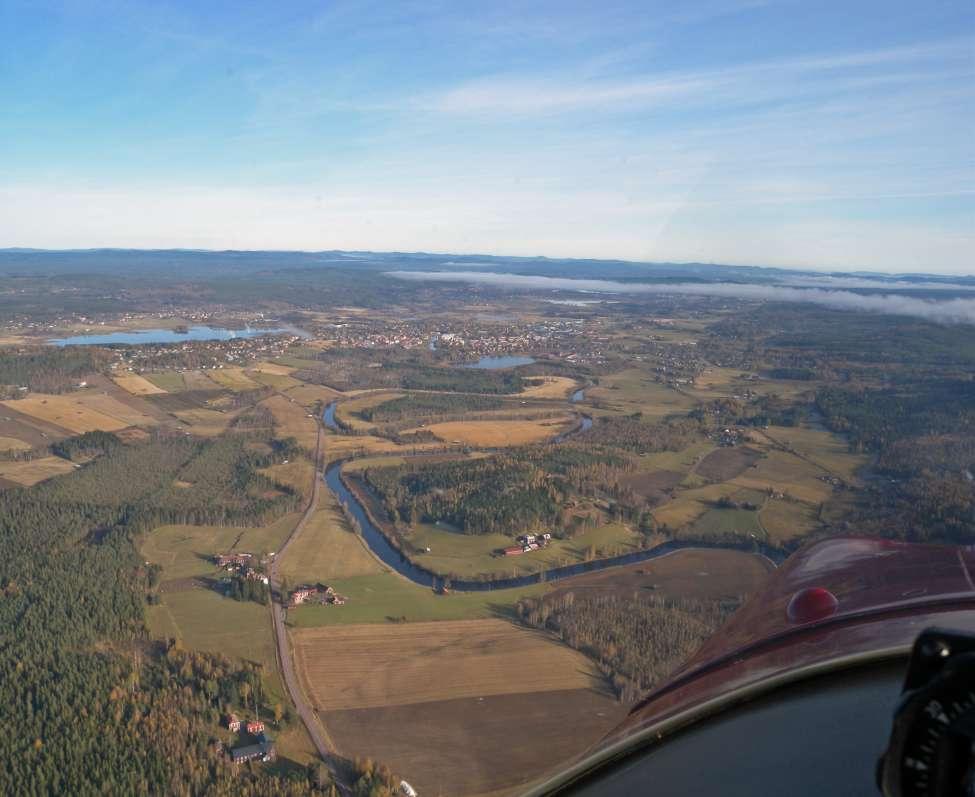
(813, 603)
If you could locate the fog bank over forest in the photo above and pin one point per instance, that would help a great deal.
(945, 311)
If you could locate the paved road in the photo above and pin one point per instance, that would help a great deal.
(317, 732)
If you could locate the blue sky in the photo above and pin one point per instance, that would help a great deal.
(813, 134)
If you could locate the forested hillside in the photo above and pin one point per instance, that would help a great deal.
(88, 706)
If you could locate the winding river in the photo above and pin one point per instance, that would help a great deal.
(392, 557)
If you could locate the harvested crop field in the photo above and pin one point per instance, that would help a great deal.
(137, 385)
(233, 379)
(80, 412)
(481, 744)
(653, 486)
(369, 666)
(198, 380)
(14, 444)
(723, 464)
(550, 387)
(275, 381)
(297, 474)
(204, 422)
(186, 400)
(34, 471)
(499, 433)
(307, 395)
(23, 427)
(697, 573)
(291, 420)
(273, 368)
(348, 411)
(327, 548)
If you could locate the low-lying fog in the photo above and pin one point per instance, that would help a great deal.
(949, 311)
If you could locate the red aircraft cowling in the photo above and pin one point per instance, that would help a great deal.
(834, 600)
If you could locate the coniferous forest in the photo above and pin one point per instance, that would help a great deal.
(87, 703)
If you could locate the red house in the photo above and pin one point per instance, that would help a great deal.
(302, 594)
(233, 722)
(255, 727)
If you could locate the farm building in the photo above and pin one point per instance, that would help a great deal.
(514, 550)
(233, 723)
(263, 750)
(318, 593)
(302, 594)
(256, 575)
(233, 559)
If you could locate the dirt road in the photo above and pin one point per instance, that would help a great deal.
(316, 731)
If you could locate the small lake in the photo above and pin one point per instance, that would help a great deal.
(143, 336)
(506, 361)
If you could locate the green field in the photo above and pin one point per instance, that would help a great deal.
(205, 620)
(828, 450)
(726, 521)
(680, 461)
(277, 381)
(297, 362)
(185, 551)
(167, 380)
(634, 390)
(468, 555)
(373, 462)
(375, 598)
(786, 519)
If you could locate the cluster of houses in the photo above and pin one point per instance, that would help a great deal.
(316, 593)
(528, 543)
(730, 437)
(242, 565)
(262, 748)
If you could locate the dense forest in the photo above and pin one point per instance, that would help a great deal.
(46, 370)
(632, 433)
(175, 479)
(427, 405)
(506, 493)
(86, 446)
(637, 640)
(923, 437)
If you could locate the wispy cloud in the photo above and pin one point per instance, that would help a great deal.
(953, 311)
(763, 80)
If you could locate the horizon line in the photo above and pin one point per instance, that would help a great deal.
(677, 263)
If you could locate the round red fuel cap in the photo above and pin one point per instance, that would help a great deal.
(814, 603)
